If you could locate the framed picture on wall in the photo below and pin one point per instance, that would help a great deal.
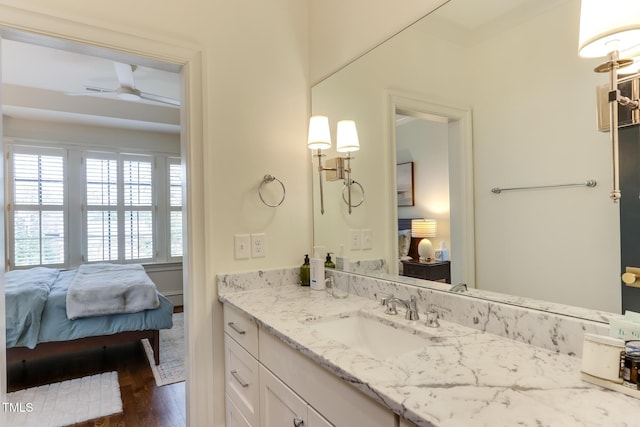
(404, 179)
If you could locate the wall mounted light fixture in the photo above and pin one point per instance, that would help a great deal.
(319, 139)
(611, 28)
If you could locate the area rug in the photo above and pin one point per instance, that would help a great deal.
(171, 367)
(64, 403)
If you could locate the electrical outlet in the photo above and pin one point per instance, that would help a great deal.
(356, 239)
(258, 245)
(367, 239)
(242, 246)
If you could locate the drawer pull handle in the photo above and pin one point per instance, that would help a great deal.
(238, 378)
(298, 422)
(233, 326)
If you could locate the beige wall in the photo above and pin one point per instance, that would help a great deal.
(541, 130)
(343, 30)
(255, 108)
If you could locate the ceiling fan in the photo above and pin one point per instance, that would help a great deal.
(127, 90)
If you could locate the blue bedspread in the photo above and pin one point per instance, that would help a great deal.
(40, 315)
(26, 294)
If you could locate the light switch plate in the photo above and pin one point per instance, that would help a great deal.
(242, 244)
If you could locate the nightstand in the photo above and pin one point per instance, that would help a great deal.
(439, 271)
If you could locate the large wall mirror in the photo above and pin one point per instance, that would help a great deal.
(505, 102)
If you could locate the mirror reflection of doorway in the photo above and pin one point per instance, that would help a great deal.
(423, 142)
(58, 76)
(440, 136)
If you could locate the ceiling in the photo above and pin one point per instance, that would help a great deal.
(41, 82)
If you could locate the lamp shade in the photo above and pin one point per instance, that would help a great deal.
(608, 25)
(347, 137)
(421, 228)
(319, 135)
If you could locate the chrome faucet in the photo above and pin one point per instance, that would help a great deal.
(460, 287)
(411, 305)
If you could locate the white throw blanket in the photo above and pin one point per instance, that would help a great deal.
(99, 289)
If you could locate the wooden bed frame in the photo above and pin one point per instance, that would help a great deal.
(18, 354)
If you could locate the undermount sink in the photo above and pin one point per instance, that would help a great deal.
(369, 335)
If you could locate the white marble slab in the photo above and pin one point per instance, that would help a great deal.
(462, 376)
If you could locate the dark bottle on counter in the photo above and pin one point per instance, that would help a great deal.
(328, 262)
(305, 271)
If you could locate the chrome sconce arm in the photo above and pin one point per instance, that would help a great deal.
(615, 99)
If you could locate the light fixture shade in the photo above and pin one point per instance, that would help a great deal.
(347, 137)
(421, 228)
(608, 25)
(319, 135)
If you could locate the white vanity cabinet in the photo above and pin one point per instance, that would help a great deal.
(270, 384)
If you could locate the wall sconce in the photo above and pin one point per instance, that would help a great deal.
(421, 229)
(609, 28)
(346, 142)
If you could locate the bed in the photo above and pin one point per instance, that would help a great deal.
(407, 245)
(38, 324)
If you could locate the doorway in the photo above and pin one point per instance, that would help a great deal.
(73, 52)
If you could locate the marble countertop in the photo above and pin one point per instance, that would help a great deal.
(461, 377)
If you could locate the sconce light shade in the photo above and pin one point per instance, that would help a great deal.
(607, 26)
(422, 228)
(319, 134)
(347, 137)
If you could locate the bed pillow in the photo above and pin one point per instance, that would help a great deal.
(404, 243)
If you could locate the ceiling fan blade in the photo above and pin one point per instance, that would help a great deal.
(125, 74)
(94, 91)
(159, 98)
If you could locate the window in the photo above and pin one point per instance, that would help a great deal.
(38, 208)
(70, 206)
(175, 208)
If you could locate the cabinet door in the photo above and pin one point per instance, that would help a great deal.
(234, 416)
(316, 420)
(279, 405)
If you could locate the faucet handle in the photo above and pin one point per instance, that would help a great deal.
(383, 298)
(434, 314)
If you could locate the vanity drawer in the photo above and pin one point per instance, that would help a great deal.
(242, 329)
(242, 380)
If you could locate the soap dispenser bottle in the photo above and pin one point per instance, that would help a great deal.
(328, 263)
(317, 271)
(305, 271)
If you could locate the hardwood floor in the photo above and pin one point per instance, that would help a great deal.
(144, 404)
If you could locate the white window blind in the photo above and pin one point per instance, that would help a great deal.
(38, 195)
(138, 216)
(175, 208)
(102, 215)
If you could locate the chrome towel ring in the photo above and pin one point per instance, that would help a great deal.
(268, 178)
(344, 187)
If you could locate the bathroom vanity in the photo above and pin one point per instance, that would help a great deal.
(296, 357)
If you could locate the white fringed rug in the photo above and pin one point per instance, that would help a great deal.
(171, 367)
(65, 403)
